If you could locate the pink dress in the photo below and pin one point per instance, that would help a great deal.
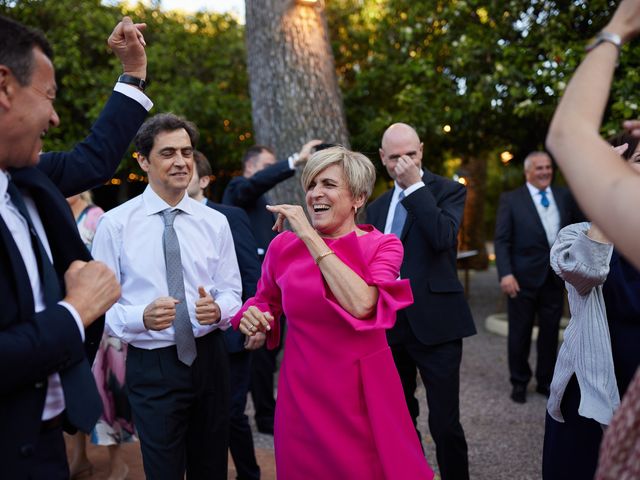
(341, 413)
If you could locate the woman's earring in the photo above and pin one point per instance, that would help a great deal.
(356, 209)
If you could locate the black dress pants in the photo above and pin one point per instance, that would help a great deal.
(240, 436)
(181, 412)
(545, 302)
(439, 367)
(571, 448)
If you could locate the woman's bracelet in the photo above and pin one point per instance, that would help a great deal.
(322, 255)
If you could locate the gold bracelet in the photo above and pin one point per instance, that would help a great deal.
(322, 255)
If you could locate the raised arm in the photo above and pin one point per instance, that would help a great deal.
(605, 187)
(438, 220)
(95, 159)
(350, 290)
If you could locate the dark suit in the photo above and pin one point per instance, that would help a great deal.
(428, 334)
(30, 349)
(240, 437)
(250, 195)
(522, 249)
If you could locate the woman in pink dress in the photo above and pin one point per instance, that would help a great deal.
(340, 413)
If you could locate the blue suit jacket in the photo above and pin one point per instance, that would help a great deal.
(440, 312)
(33, 346)
(249, 194)
(521, 244)
(248, 262)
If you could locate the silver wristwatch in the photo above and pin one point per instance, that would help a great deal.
(603, 36)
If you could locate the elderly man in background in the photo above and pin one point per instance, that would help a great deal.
(527, 224)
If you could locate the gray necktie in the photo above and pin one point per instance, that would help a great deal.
(185, 342)
(399, 217)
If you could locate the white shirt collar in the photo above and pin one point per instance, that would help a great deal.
(4, 184)
(153, 204)
(536, 191)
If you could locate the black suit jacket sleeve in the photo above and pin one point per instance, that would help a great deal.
(245, 246)
(503, 236)
(243, 192)
(94, 160)
(31, 351)
(438, 221)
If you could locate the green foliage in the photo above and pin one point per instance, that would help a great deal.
(196, 66)
(493, 71)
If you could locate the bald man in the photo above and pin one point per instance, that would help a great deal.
(425, 211)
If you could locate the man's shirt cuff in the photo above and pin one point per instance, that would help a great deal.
(292, 161)
(75, 315)
(409, 190)
(134, 94)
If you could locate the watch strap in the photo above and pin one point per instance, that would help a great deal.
(135, 81)
(602, 37)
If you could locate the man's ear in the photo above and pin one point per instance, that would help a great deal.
(142, 161)
(7, 87)
(204, 182)
(381, 153)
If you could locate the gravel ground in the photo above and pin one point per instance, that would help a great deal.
(504, 438)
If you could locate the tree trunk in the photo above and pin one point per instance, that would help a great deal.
(472, 233)
(294, 89)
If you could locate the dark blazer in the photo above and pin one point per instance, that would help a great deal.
(33, 346)
(249, 194)
(248, 262)
(440, 312)
(520, 242)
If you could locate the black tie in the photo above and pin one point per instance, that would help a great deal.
(82, 401)
(50, 283)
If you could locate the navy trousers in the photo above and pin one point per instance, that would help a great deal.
(181, 412)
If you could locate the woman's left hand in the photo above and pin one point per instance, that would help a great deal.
(294, 213)
(253, 321)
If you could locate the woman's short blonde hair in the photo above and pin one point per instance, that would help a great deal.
(358, 169)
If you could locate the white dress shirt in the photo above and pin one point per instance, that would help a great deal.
(395, 199)
(129, 240)
(17, 225)
(549, 216)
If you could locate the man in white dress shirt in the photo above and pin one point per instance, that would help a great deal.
(176, 263)
(527, 224)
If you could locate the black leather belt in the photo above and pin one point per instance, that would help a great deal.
(52, 423)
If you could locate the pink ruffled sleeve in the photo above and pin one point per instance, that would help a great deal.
(268, 297)
(378, 263)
